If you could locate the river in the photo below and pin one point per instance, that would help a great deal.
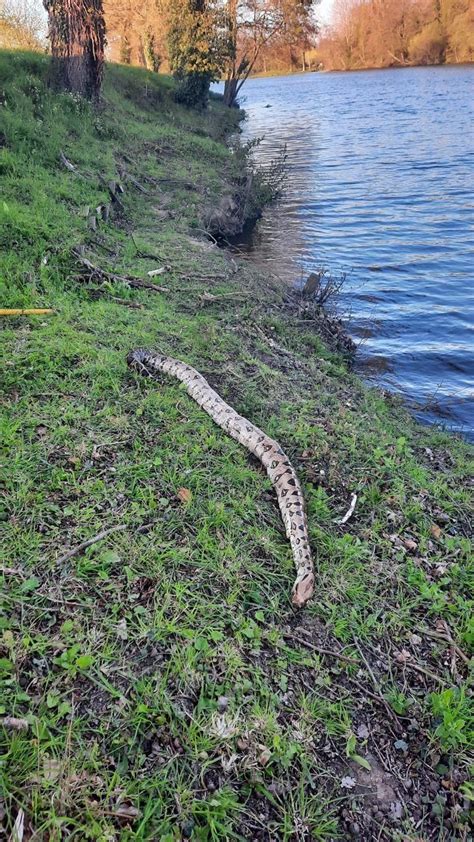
(380, 176)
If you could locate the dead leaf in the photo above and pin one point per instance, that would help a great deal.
(223, 726)
(51, 769)
(403, 656)
(14, 724)
(121, 629)
(18, 827)
(264, 756)
(127, 811)
(185, 495)
(435, 531)
(409, 544)
(229, 763)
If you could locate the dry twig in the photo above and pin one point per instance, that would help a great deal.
(376, 684)
(80, 547)
(319, 649)
(350, 510)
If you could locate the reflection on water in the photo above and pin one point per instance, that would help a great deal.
(381, 166)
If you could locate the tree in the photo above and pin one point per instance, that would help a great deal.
(197, 48)
(251, 25)
(152, 59)
(77, 36)
(137, 31)
(384, 33)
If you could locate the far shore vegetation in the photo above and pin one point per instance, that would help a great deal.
(231, 40)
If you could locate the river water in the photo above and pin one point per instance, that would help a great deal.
(380, 178)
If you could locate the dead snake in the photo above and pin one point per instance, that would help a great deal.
(267, 450)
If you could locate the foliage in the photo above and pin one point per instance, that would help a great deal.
(152, 59)
(455, 714)
(197, 48)
(429, 45)
(20, 26)
(396, 32)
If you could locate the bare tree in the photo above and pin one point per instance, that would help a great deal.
(384, 33)
(21, 25)
(251, 25)
(77, 36)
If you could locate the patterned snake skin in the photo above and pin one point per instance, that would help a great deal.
(276, 463)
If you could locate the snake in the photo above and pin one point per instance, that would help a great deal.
(276, 463)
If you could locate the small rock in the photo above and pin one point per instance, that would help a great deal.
(401, 745)
(396, 810)
(222, 704)
(347, 782)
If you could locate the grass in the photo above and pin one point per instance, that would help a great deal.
(161, 677)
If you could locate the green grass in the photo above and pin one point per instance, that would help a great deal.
(117, 657)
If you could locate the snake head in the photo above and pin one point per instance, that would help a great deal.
(303, 590)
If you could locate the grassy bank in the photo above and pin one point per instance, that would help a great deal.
(165, 687)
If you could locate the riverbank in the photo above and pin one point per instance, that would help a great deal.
(165, 687)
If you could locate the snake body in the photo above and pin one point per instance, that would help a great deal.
(267, 450)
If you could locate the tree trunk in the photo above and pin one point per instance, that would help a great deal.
(77, 36)
(230, 92)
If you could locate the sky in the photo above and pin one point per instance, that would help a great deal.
(323, 10)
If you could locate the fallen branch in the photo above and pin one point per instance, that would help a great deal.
(154, 272)
(136, 183)
(103, 275)
(272, 343)
(320, 650)
(85, 544)
(66, 163)
(209, 297)
(134, 305)
(447, 639)
(425, 671)
(11, 571)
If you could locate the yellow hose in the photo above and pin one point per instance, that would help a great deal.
(25, 312)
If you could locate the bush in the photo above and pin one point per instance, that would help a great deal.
(429, 45)
(192, 89)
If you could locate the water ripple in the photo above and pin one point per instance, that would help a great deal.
(381, 168)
